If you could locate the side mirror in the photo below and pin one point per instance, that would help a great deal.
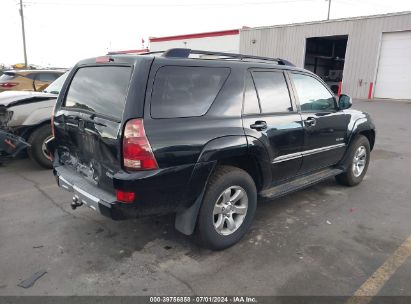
(345, 102)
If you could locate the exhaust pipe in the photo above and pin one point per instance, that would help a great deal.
(75, 203)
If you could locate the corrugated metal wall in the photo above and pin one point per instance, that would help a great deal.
(361, 58)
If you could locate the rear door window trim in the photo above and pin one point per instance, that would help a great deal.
(290, 93)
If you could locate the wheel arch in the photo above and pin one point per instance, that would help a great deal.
(228, 150)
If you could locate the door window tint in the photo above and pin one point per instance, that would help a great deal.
(99, 89)
(251, 105)
(46, 77)
(31, 76)
(273, 92)
(185, 91)
(312, 94)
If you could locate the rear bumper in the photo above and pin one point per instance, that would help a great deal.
(90, 195)
(158, 192)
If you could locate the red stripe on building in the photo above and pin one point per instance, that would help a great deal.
(194, 36)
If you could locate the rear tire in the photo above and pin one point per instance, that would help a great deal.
(357, 164)
(228, 208)
(36, 152)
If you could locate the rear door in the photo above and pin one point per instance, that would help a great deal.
(88, 122)
(325, 127)
(271, 116)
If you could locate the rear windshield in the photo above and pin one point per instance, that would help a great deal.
(99, 90)
(185, 91)
(7, 76)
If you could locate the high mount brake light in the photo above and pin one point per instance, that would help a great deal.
(104, 59)
(137, 153)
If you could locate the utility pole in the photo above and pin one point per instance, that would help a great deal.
(24, 34)
(329, 9)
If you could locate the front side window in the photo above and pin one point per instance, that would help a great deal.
(181, 91)
(312, 94)
(272, 91)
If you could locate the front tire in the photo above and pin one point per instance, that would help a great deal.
(228, 208)
(37, 151)
(358, 160)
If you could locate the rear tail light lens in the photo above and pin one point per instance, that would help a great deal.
(137, 153)
(8, 85)
(125, 197)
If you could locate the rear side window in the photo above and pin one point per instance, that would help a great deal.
(46, 77)
(30, 76)
(185, 91)
(273, 92)
(99, 90)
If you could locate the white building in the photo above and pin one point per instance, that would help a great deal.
(371, 55)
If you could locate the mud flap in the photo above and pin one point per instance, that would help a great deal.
(11, 145)
(186, 220)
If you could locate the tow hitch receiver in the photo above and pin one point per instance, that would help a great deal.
(76, 203)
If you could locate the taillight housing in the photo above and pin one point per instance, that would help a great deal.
(137, 153)
(8, 85)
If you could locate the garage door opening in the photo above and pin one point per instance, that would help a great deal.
(325, 57)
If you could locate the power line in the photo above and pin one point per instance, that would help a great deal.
(205, 4)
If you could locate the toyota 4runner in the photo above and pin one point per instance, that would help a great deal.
(201, 135)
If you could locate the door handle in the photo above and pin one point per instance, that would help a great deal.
(259, 125)
(310, 122)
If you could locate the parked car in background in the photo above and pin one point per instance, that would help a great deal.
(27, 115)
(202, 138)
(28, 80)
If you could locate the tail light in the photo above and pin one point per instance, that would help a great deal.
(137, 153)
(8, 85)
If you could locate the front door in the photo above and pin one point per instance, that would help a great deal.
(325, 127)
(271, 116)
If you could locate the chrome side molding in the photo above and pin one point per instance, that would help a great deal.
(291, 156)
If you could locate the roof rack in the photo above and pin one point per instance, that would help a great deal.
(185, 53)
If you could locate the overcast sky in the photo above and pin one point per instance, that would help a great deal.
(61, 32)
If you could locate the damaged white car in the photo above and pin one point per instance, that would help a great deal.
(25, 122)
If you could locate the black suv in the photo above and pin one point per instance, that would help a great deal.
(201, 135)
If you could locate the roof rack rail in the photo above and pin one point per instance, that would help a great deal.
(185, 53)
